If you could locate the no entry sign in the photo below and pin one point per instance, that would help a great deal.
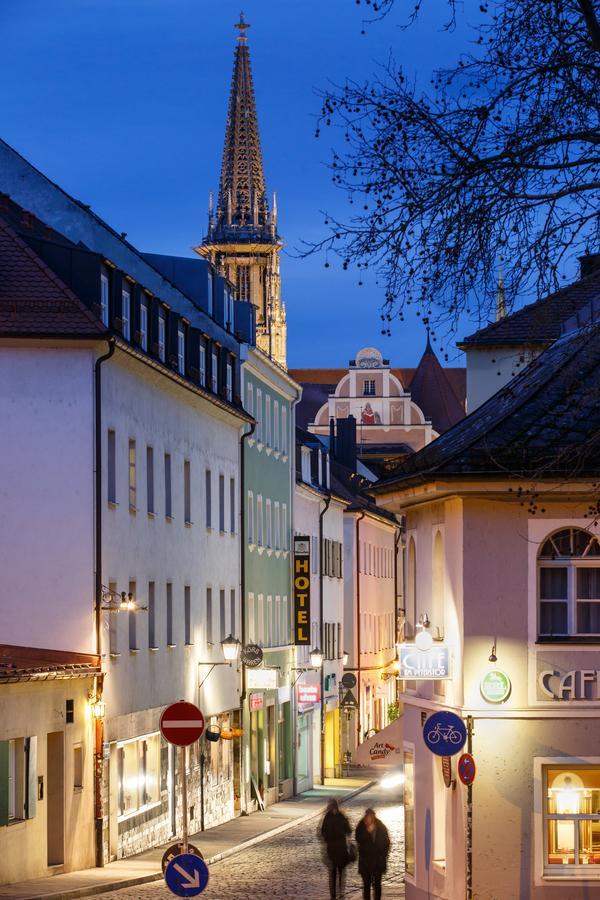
(181, 723)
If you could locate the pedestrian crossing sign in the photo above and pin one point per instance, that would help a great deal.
(349, 700)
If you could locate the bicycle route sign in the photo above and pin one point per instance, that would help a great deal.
(445, 733)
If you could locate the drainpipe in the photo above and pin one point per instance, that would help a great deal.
(243, 439)
(99, 736)
(322, 630)
(397, 539)
(358, 666)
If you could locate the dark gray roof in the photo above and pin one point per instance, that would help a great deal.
(543, 423)
(538, 323)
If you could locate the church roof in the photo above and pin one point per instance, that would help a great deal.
(33, 300)
(545, 423)
(242, 199)
(432, 392)
(540, 322)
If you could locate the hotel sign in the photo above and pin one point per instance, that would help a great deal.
(261, 679)
(301, 590)
(424, 665)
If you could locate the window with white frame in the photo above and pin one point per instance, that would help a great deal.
(285, 539)
(202, 362)
(268, 420)
(229, 382)
(214, 377)
(250, 398)
(268, 525)
(250, 519)
(284, 434)
(161, 337)
(277, 540)
(569, 585)
(126, 312)
(369, 387)
(251, 618)
(132, 476)
(259, 520)
(104, 289)
(138, 781)
(269, 622)
(571, 819)
(181, 351)
(275, 425)
(258, 415)
(144, 325)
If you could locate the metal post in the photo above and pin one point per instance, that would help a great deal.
(184, 800)
(469, 878)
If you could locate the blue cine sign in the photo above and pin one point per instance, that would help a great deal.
(426, 665)
(186, 875)
(445, 733)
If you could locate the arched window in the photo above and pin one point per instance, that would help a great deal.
(569, 584)
(437, 611)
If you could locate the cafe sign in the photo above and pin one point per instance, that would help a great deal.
(576, 684)
(495, 686)
(424, 665)
(301, 590)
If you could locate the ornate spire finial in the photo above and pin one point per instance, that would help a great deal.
(241, 26)
(500, 294)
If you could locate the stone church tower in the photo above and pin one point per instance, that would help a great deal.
(242, 239)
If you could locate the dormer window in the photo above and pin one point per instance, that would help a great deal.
(214, 372)
(126, 313)
(181, 350)
(161, 336)
(202, 363)
(104, 289)
(144, 324)
(229, 382)
(369, 387)
(210, 292)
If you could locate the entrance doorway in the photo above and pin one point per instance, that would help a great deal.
(55, 804)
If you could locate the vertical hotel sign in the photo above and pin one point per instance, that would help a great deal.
(302, 590)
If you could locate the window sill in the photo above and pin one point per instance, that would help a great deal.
(269, 450)
(284, 457)
(261, 550)
(276, 454)
(12, 822)
(139, 811)
(189, 644)
(188, 524)
(286, 553)
(112, 504)
(134, 650)
(151, 514)
(269, 551)
(114, 655)
(209, 528)
(133, 509)
(259, 446)
(153, 649)
(222, 531)
(171, 646)
(168, 519)
(251, 442)
(278, 553)
(251, 546)
(570, 639)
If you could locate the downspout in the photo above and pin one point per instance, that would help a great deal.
(99, 736)
(322, 632)
(397, 539)
(243, 438)
(358, 666)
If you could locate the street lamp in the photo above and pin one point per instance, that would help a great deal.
(231, 648)
(316, 658)
(345, 658)
(423, 639)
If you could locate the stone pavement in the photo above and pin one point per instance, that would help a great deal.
(289, 865)
(215, 844)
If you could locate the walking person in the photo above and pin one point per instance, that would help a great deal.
(373, 848)
(334, 831)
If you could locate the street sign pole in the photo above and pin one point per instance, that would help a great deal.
(184, 836)
(469, 878)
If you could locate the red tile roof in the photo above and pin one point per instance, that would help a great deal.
(33, 300)
(34, 663)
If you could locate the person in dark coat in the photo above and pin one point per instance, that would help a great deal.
(373, 848)
(334, 831)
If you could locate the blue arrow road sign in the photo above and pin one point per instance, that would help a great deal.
(186, 875)
(444, 733)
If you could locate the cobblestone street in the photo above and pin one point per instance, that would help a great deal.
(290, 865)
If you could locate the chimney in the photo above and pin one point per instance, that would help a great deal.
(345, 450)
(589, 263)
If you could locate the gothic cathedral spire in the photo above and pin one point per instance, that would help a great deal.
(242, 239)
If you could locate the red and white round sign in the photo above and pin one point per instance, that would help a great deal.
(181, 723)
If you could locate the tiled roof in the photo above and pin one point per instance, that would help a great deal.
(33, 300)
(540, 322)
(33, 663)
(441, 394)
(543, 423)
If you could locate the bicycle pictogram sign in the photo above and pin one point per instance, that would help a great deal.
(444, 733)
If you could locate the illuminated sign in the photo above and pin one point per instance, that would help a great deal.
(261, 679)
(309, 693)
(302, 590)
(495, 686)
(426, 665)
(256, 702)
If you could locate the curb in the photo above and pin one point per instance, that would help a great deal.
(106, 886)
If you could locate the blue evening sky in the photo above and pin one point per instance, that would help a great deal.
(123, 103)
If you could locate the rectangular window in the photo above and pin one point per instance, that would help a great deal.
(277, 526)
(202, 363)
(252, 619)
(78, 766)
(161, 337)
(187, 492)
(268, 524)
(210, 288)
(151, 616)
(243, 283)
(150, 480)
(208, 494)
(132, 616)
(181, 351)
(222, 622)
(222, 503)
(259, 520)
(170, 637)
(284, 434)
(111, 466)
(232, 616)
(285, 615)
(232, 505)
(269, 622)
(132, 478)
(268, 420)
(214, 372)
(209, 616)
(315, 554)
(168, 494)
(369, 387)
(250, 399)
(104, 293)
(258, 415)
(276, 443)
(139, 776)
(126, 313)
(285, 537)
(144, 325)
(250, 518)
(229, 382)
(113, 622)
(571, 820)
(187, 613)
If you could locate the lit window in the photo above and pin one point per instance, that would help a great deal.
(104, 283)
(144, 325)
(181, 351)
(138, 774)
(572, 820)
(569, 584)
(161, 337)
(126, 313)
